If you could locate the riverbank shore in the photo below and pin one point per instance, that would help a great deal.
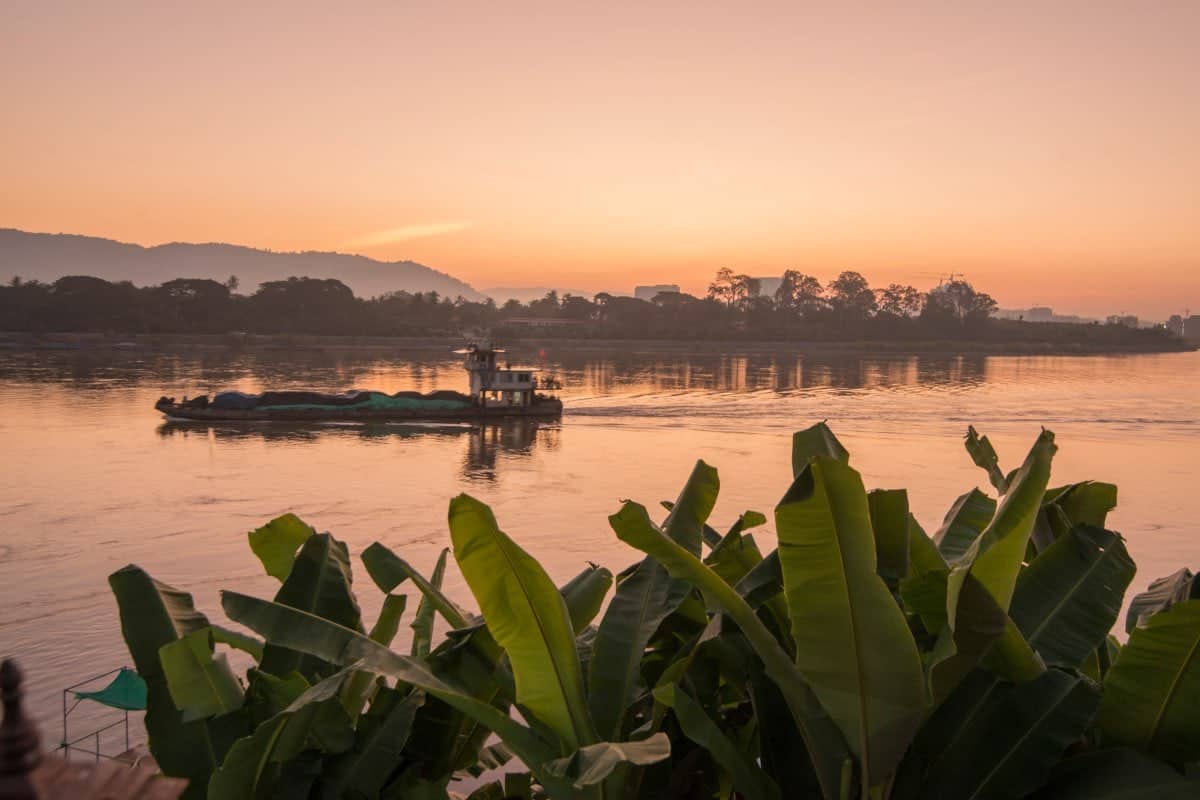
(25, 342)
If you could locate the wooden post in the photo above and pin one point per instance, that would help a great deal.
(19, 742)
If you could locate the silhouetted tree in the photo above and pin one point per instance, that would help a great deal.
(957, 301)
(899, 300)
(850, 297)
(799, 293)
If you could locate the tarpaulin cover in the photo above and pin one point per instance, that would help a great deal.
(127, 692)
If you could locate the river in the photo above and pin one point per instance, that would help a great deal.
(94, 479)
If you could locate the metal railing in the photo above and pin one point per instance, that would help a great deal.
(67, 744)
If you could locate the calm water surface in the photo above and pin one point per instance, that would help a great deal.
(94, 479)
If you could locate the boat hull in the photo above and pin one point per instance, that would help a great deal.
(543, 409)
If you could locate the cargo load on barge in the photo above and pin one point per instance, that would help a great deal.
(495, 393)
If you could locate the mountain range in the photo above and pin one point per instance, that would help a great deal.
(49, 256)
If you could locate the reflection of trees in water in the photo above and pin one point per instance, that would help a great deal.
(589, 372)
(617, 373)
(485, 443)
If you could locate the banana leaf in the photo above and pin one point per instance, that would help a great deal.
(1163, 593)
(591, 764)
(1068, 599)
(890, 523)
(388, 571)
(963, 524)
(251, 770)
(641, 602)
(685, 523)
(319, 583)
(984, 456)
(1115, 773)
(584, 595)
(1013, 736)
(817, 440)
(1087, 503)
(359, 688)
(1152, 690)
(853, 644)
(824, 741)
(643, 599)
(923, 555)
(153, 615)
(749, 780)
(996, 557)
(379, 747)
(201, 683)
(528, 618)
(238, 641)
(422, 624)
(326, 640)
(276, 544)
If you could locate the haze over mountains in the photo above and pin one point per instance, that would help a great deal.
(47, 257)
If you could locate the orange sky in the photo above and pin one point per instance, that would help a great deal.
(1050, 151)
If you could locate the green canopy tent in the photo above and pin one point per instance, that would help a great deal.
(125, 692)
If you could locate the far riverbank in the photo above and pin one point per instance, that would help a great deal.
(20, 341)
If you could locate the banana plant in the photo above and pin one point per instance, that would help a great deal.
(859, 657)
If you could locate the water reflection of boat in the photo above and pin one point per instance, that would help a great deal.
(495, 393)
(486, 442)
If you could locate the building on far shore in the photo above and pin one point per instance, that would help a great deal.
(1040, 314)
(1127, 320)
(647, 293)
(1187, 327)
(767, 287)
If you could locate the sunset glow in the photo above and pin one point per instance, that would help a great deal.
(1047, 151)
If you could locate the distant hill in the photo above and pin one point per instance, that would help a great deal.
(47, 257)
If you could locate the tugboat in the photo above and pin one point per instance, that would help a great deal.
(495, 393)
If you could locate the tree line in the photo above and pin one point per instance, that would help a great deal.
(844, 308)
(734, 304)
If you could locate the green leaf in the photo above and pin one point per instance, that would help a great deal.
(852, 641)
(584, 595)
(1014, 735)
(388, 571)
(996, 556)
(319, 584)
(685, 523)
(815, 441)
(378, 747)
(528, 618)
(422, 624)
(152, 615)
(825, 744)
(1116, 773)
(644, 598)
(966, 519)
(1068, 599)
(359, 687)
(238, 641)
(1161, 595)
(923, 555)
(1152, 690)
(749, 780)
(890, 521)
(251, 769)
(1088, 503)
(590, 765)
(984, 456)
(276, 544)
(291, 628)
(763, 582)
(201, 685)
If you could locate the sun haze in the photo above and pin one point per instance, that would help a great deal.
(1046, 150)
